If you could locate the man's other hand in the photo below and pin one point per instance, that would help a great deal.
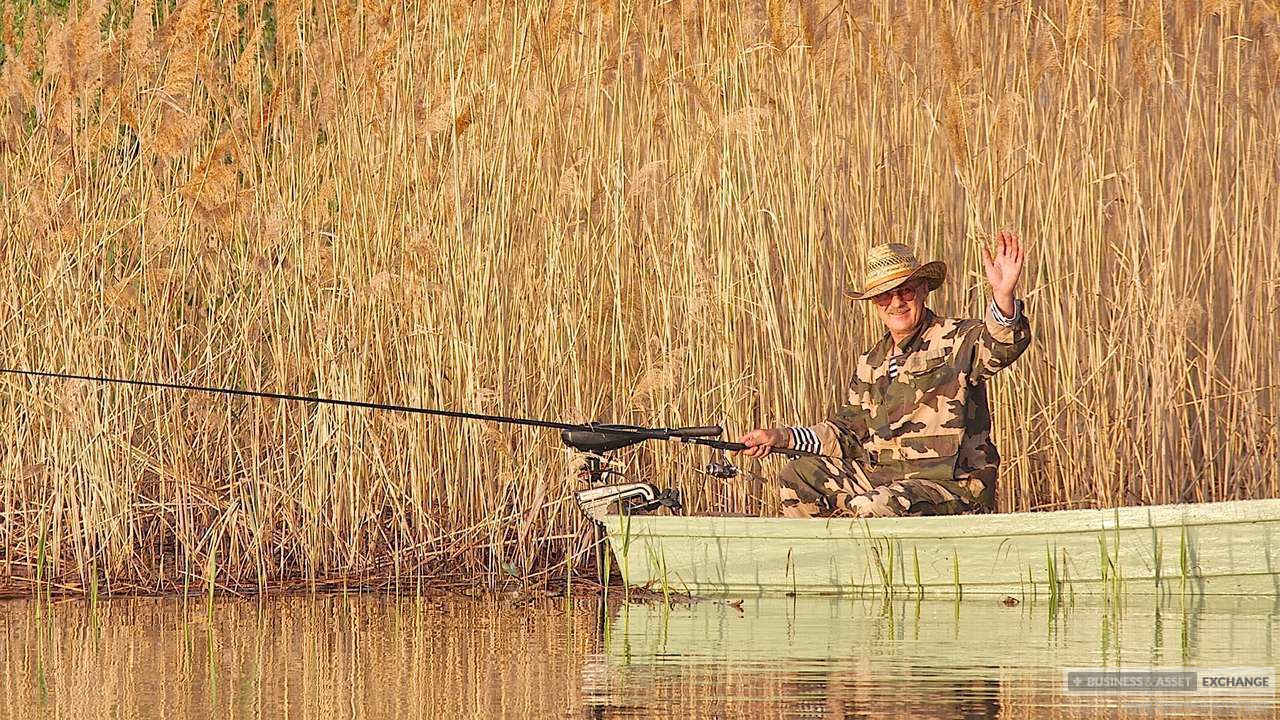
(762, 441)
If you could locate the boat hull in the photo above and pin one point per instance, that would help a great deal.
(1226, 548)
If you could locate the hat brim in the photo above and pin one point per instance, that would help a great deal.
(933, 272)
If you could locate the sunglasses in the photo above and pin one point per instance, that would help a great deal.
(906, 292)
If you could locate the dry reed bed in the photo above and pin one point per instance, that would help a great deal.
(638, 213)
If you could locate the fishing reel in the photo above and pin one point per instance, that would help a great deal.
(720, 467)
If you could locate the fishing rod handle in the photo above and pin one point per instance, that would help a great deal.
(739, 447)
(691, 432)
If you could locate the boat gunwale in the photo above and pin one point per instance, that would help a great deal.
(1075, 581)
(893, 527)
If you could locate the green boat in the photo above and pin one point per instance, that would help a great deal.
(1223, 548)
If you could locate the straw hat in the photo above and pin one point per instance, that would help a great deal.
(893, 264)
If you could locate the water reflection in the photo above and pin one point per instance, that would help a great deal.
(394, 657)
(838, 658)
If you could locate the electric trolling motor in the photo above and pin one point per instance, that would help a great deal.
(638, 497)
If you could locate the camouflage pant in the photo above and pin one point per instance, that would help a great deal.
(822, 486)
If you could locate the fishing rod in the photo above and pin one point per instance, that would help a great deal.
(595, 438)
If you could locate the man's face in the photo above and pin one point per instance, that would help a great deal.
(902, 308)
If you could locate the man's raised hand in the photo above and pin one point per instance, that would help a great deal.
(1004, 269)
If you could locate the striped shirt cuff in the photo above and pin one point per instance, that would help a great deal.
(1000, 317)
(802, 438)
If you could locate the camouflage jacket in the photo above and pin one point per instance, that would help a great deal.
(922, 412)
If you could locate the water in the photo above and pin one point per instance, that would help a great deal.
(397, 657)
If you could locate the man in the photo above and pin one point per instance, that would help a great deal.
(914, 436)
